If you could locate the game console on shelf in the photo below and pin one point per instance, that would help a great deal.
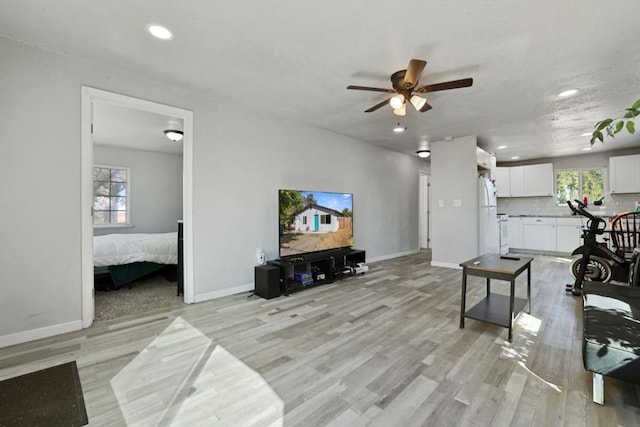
(359, 268)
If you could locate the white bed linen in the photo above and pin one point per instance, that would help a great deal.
(119, 249)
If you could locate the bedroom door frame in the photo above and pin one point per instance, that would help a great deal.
(89, 97)
(424, 217)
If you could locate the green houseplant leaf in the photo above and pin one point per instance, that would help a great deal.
(616, 125)
(631, 127)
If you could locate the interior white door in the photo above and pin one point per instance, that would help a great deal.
(423, 216)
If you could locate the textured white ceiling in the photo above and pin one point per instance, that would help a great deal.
(130, 128)
(294, 59)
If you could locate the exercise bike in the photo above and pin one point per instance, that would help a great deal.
(598, 263)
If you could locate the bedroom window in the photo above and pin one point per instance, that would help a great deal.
(110, 195)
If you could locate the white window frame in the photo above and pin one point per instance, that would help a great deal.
(605, 184)
(127, 224)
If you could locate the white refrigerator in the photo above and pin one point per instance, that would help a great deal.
(488, 229)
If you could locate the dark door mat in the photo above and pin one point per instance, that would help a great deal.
(50, 397)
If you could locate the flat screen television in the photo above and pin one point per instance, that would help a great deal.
(314, 221)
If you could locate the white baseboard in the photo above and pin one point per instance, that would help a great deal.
(445, 264)
(225, 292)
(396, 255)
(35, 334)
(250, 286)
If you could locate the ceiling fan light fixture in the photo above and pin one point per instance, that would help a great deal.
(418, 102)
(397, 102)
(423, 153)
(174, 135)
(402, 111)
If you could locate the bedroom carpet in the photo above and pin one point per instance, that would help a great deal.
(49, 397)
(148, 294)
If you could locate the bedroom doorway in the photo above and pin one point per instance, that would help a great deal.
(95, 104)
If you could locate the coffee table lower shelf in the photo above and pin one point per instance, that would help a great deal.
(495, 309)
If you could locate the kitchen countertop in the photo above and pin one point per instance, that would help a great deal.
(598, 214)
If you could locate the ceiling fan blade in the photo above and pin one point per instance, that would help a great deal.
(425, 107)
(454, 84)
(380, 105)
(413, 73)
(372, 89)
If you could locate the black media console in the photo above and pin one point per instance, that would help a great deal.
(321, 268)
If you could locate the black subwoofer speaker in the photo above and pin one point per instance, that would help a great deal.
(267, 281)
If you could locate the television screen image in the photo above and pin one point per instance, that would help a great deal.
(312, 221)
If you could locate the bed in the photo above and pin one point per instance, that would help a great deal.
(128, 257)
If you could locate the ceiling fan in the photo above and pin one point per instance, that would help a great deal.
(404, 84)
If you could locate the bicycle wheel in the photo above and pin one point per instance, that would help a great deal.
(598, 270)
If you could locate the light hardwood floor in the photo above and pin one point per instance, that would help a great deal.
(382, 349)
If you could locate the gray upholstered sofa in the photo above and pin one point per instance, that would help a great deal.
(611, 342)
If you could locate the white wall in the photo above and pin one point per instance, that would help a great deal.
(241, 159)
(155, 185)
(454, 229)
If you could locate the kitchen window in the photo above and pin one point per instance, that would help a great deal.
(110, 196)
(579, 183)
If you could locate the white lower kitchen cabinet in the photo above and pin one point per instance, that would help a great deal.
(568, 234)
(539, 233)
(515, 232)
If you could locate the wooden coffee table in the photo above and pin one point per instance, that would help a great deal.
(497, 309)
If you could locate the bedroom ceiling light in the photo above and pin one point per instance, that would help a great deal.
(174, 135)
(501, 147)
(423, 153)
(159, 32)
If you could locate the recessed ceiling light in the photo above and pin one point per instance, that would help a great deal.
(586, 134)
(159, 31)
(399, 128)
(586, 149)
(501, 147)
(567, 93)
(515, 157)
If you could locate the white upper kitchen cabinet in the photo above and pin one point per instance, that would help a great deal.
(525, 181)
(516, 181)
(624, 174)
(503, 187)
(538, 180)
(484, 159)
